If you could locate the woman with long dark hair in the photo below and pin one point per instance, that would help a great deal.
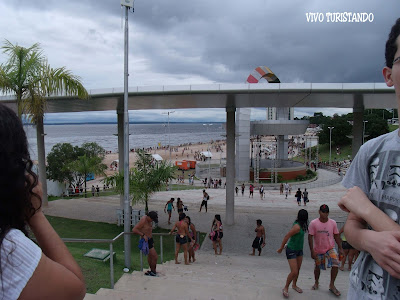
(27, 270)
(192, 240)
(216, 228)
(294, 250)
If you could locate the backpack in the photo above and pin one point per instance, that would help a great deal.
(208, 197)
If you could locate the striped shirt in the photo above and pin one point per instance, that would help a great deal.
(19, 259)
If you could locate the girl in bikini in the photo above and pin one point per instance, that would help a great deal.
(216, 227)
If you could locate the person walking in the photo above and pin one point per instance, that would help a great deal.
(251, 190)
(236, 191)
(286, 189)
(168, 208)
(281, 189)
(322, 235)
(182, 237)
(206, 197)
(217, 234)
(243, 187)
(193, 246)
(259, 241)
(294, 250)
(298, 197)
(179, 205)
(145, 230)
(348, 251)
(262, 191)
(305, 197)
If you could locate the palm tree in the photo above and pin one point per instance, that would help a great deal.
(28, 75)
(20, 71)
(145, 178)
(85, 165)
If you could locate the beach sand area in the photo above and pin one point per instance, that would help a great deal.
(184, 152)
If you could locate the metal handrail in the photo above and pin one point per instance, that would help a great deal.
(111, 242)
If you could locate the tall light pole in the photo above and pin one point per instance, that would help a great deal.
(208, 150)
(364, 131)
(330, 144)
(165, 139)
(169, 132)
(127, 208)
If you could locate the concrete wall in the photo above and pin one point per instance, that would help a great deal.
(55, 188)
(242, 159)
(286, 173)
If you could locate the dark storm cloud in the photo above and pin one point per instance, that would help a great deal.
(223, 41)
(198, 38)
(191, 42)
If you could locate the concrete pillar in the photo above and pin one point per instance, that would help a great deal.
(358, 117)
(230, 165)
(280, 155)
(283, 113)
(120, 120)
(242, 144)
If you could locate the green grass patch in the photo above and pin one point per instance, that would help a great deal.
(323, 153)
(108, 192)
(393, 127)
(97, 273)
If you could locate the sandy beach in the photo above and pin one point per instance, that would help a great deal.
(182, 152)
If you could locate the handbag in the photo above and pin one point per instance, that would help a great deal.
(211, 235)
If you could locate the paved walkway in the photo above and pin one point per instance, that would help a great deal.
(276, 212)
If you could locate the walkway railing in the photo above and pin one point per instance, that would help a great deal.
(317, 183)
(112, 241)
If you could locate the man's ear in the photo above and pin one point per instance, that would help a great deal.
(387, 74)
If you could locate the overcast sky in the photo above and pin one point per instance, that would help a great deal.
(198, 42)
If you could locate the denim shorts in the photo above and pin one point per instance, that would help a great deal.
(291, 254)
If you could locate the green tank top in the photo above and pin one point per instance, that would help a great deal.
(296, 242)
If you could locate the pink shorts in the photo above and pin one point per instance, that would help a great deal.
(333, 259)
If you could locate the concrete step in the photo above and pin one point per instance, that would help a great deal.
(222, 277)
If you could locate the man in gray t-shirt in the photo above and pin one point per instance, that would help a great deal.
(373, 202)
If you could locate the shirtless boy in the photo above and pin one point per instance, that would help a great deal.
(145, 229)
(182, 237)
(259, 241)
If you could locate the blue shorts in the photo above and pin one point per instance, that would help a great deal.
(292, 254)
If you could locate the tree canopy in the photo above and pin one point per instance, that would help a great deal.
(28, 76)
(66, 162)
(86, 165)
(375, 125)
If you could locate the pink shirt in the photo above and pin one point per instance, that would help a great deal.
(323, 235)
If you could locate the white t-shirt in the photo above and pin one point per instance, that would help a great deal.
(376, 170)
(19, 259)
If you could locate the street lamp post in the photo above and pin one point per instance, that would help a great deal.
(127, 208)
(165, 139)
(364, 131)
(208, 150)
(330, 144)
(169, 132)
